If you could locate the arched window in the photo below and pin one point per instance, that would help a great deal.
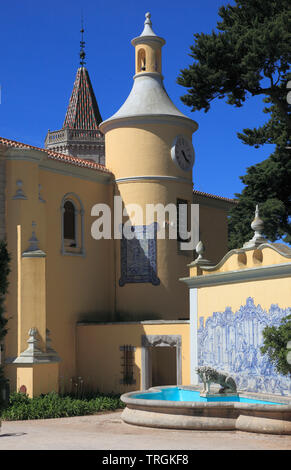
(141, 60)
(72, 225)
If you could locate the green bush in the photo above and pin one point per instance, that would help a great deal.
(21, 407)
(275, 345)
(4, 272)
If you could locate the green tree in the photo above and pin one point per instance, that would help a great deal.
(250, 55)
(4, 272)
(275, 345)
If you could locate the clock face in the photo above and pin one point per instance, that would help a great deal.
(182, 153)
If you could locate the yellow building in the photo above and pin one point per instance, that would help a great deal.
(232, 302)
(104, 304)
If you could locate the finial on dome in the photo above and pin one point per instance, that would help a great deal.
(148, 18)
(148, 26)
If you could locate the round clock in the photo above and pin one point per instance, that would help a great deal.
(182, 153)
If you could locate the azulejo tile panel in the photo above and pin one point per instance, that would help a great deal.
(139, 256)
(231, 341)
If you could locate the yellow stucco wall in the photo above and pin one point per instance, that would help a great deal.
(99, 357)
(169, 300)
(151, 54)
(265, 292)
(213, 230)
(144, 149)
(69, 288)
(234, 292)
(38, 378)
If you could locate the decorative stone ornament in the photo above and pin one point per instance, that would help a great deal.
(147, 26)
(258, 226)
(32, 354)
(200, 261)
(33, 241)
(19, 192)
(40, 198)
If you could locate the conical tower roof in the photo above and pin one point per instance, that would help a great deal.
(83, 111)
(148, 97)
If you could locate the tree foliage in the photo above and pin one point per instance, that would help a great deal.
(275, 345)
(4, 272)
(250, 55)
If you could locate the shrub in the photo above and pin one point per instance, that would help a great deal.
(4, 272)
(21, 407)
(275, 345)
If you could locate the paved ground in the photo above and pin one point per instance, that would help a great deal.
(108, 432)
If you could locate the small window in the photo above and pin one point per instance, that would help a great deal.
(127, 364)
(72, 225)
(69, 224)
(141, 60)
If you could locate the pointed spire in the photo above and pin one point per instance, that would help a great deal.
(80, 135)
(83, 111)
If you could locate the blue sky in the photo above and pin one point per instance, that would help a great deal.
(39, 60)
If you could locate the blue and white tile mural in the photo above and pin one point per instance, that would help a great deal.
(231, 342)
(139, 256)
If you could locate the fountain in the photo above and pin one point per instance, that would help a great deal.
(199, 408)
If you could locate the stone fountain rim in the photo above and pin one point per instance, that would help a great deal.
(284, 405)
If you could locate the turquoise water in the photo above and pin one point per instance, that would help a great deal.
(179, 394)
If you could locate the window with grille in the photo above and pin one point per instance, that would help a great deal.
(127, 364)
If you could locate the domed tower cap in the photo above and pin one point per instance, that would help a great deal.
(148, 33)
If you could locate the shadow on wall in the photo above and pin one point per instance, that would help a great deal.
(120, 316)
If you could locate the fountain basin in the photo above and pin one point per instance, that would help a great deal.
(184, 408)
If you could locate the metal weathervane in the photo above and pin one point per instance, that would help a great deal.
(82, 45)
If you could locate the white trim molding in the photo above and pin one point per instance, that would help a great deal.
(241, 275)
(193, 336)
(174, 179)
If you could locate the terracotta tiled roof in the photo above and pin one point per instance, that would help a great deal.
(83, 111)
(212, 196)
(57, 156)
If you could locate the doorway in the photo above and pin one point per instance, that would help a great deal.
(161, 360)
(164, 365)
